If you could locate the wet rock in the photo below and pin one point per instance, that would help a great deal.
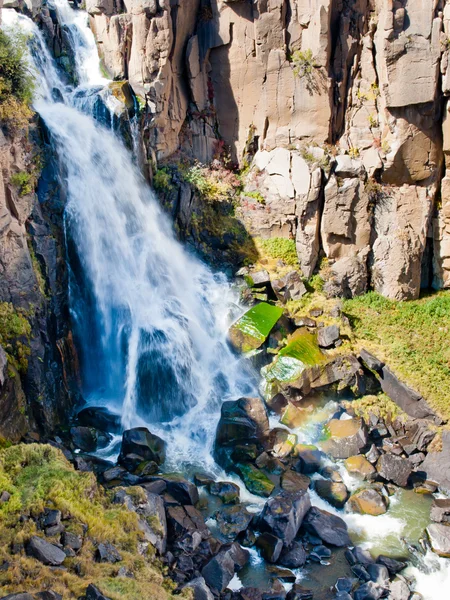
(242, 421)
(93, 593)
(183, 490)
(232, 520)
(439, 536)
(399, 590)
(269, 546)
(244, 453)
(291, 481)
(255, 480)
(368, 502)
(407, 399)
(373, 454)
(154, 487)
(228, 492)
(328, 336)
(394, 468)
(100, 418)
(270, 464)
(310, 459)
(369, 591)
(185, 520)
(347, 437)
(46, 553)
(114, 474)
(393, 566)
(320, 553)
(331, 473)
(141, 442)
(283, 515)
(89, 439)
(251, 330)
(108, 553)
(282, 442)
(344, 584)
(298, 592)
(359, 465)
(361, 572)
(219, 571)
(440, 510)
(293, 557)
(277, 404)
(201, 479)
(378, 574)
(329, 528)
(333, 492)
(199, 589)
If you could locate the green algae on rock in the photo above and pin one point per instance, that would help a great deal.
(251, 330)
(255, 480)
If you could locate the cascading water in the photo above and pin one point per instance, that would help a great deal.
(150, 319)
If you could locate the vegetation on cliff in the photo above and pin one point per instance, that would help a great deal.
(16, 82)
(38, 477)
(15, 331)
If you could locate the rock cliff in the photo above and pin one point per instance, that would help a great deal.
(339, 108)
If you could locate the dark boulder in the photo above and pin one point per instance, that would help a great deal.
(46, 553)
(89, 439)
(283, 515)
(143, 443)
(72, 540)
(393, 566)
(406, 398)
(242, 421)
(378, 574)
(333, 492)
(48, 595)
(93, 593)
(228, 492)
(328, 336)
(100, 418)
(370, 361)
(369, 591)
(293, 557)
(298, 592)
(394, 468)
(436, 466)
(269, 546)
(291, 481)
(310, 459)
(232, 520)
(200, 591)
(183, 490)
(18, 596)
(107, 553)
(219, 571)
(329, 528)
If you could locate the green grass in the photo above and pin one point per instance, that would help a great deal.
(250, 331)
(278, 248)
(15, 331)
(24, 182)
(412, 337)
(38, 476)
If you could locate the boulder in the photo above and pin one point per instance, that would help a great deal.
(369, 591)
(46, 553)
(333, 492)
(347, 437)
(270, 546)
(399, 590)
(232, 520)
(18, 596)
(283, 514)
(370, 361)
(298, 592)
(185, 521)
(436, 466)
(440, 510)
(294, 482)
(406, 398)
(251, 330)
(183, 490)
(72, 540)
(289, 287)
(328, 336)
(393, 566)
(368, 502)
(255, 480)
(228, 492)
(329, 528)
(219, 571)
(310, 459)
(200, 590)
(282, 442)
(100, 418)
(439, 536)
(242, 422)
(93, 593)
(143, 443)
(107, 553)
(293, 557)
(394, 468)
(359, 465)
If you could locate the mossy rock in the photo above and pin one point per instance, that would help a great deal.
(359, 465)
(255, 480)
(251, 330)
(295, 416)
(122, 91)
(303, 346)
(368, 502)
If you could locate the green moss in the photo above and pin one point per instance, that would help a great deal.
(251, 330)
(412, 337)
(24, 182)
(278, 248)
(256, 195)
(37, 268)
(255, 480)
(38, 476)
(303, 346)
(162, 180)
(15, 331)
(379, 405)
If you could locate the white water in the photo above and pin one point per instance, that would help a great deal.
(151, 319)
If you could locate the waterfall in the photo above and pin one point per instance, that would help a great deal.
(150, 318)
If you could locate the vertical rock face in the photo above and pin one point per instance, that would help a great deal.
(288, 86)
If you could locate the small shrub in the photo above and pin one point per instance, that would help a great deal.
(257, 196)
(373, 121)
(16, 81)
(353, 152)
(278, 248)
(15, 331)
(24, 182)
(162, 181)
(385, 146)
(304, 63)
(209, 184)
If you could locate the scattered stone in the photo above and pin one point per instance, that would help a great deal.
(394, 468)
(361, 572)
(255, 480)
(359, 465)
(143, 443)
(269, 546)
(316, 312)
(331, 473)
(106, 552)
(4, 497)
(293, 557)
(439, 536)
(71, 540)
(46, 553)
(310, 459)
(333, 492)
(328, 336)
(435, 466)
(93, 593)
(320, 553)
(114, 474)
(368, 502)
(283, 514)
(228, 492)
(369, 591)
(289, 287)
(329, 528)
(18, 596)
(344, 584)
(347, 437)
